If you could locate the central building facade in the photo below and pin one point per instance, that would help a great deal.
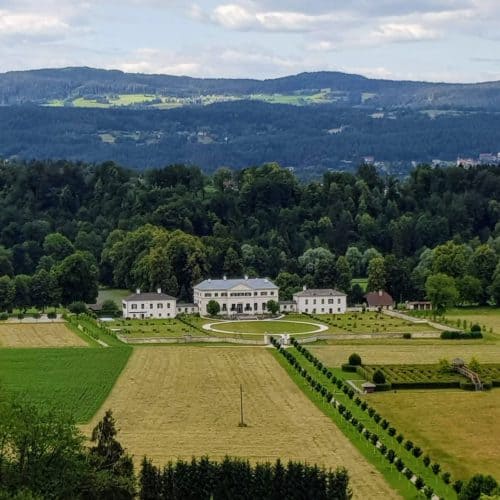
(236, 296)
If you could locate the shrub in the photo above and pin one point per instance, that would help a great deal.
(374, 438)
(20, 316)
(384, 424)
(355, 359)
(446, 477)
(399, 464)
(417, 451)
(357, 401)
(378, 377)
(213, 308)
(475, 328)
(426, 460)
(77, 308)
(409, 445)
(383, 449)
(4, 316)
(391, 431)
(364, 405)
(458, 485)
(391, 455)
(371, 412)
(435, 468)
(407, 336)
(400, 438)
(419, 483)
(377, 417)
(36, 315)
(408, 473)
(428, 492)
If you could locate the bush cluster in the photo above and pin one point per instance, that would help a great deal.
(454, 335)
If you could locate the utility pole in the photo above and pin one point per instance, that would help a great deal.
(242, 422)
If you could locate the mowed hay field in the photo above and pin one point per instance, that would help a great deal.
(38, 335)
(458, 429)
(411, 352)
(179, 402)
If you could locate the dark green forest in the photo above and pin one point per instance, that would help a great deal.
(67, 227)
(311, 139)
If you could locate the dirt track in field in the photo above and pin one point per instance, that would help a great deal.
(38, 335)
(179, 402)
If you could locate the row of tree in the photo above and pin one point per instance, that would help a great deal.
(44, 455)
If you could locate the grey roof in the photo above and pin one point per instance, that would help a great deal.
(135, 297)
(319, 292)
(228, 284)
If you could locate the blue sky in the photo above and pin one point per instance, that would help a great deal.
(436, 40)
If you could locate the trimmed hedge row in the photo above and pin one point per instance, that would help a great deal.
(390, 454)
(453, 335)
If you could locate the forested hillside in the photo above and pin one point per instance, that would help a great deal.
(41, 86)
(311, 139)
(64, 226)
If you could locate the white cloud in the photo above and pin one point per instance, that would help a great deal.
(31, 25)
(394, 32)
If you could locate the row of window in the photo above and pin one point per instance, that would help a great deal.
(330, 310)
(330, 301)
(159, 305)
(236, 294)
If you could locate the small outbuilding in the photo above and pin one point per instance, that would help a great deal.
(419, 305)
(368, 387)
(379, 300)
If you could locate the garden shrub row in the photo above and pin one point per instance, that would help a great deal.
(455, 335)
(182, 319)
(347, 415)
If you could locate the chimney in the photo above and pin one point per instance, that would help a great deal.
(304, 288)
(380, 293)
(158, 290)
(224, 277)
(137, 291)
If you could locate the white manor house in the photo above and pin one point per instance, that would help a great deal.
(236, 297)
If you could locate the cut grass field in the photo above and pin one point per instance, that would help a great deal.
(483, 316)
(408, 352)
(179, 402)
(38, 335)
(456, 428)
(77, 380)
(150, 328)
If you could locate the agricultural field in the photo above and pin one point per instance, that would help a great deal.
(76, 380)
(456, 428)
(404, 374)
(408, 352)
(38, 335)
(179, 402)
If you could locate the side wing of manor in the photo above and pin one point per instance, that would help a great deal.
(241, 296)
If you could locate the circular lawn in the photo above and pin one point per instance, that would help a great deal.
(260, 327)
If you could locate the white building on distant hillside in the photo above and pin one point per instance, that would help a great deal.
(236, 296)
(149, 305)
(320, 301)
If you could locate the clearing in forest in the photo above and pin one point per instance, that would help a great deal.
(38, 335)
(179, 402)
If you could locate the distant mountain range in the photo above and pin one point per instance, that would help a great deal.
(88, 87)
(311, 121)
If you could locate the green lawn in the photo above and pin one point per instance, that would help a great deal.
(370, 322)
(144, 328)
(78, 380)
(263, 327)
(362, 282)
